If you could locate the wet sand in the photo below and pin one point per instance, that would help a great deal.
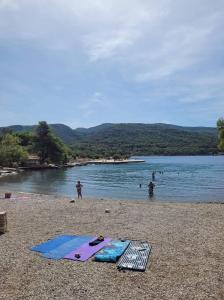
(187, 260)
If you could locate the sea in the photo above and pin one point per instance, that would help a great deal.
(177, 179)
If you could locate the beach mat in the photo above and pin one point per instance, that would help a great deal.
(67, 247)
(135, 257)
(86, 251)
(112, 251)
(52, 243)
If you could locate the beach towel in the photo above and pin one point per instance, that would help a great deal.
(65, 248)
(112, 251)
(86, 251)
(135, 257)
(52, 243)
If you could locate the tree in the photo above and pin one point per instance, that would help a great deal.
(11, 152)
(26, 138)
(6, 130)
(220, 125)
(49, 148)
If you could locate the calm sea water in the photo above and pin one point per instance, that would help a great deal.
(184, 178)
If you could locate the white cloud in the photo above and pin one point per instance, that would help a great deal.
(9, 4)
(102, 47)
(168, 48)
(93, 104)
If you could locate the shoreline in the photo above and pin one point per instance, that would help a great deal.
(187, 260)
(5, 171)
(124, 201)
(95, 198)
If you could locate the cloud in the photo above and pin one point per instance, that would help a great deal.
(93, 104)
(102, 47)
(181, 49)
(155, 51)
(9, 4)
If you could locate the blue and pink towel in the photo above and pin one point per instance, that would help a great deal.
(78, 248)
(85, 251)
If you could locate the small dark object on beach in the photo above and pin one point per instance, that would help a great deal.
(72, 201)
(107, 211)
(8, 195)
(97, 241)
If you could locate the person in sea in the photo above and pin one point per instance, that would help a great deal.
(151, 188)
(79, 189)
(153, 176)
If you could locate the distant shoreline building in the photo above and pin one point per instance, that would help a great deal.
(33, 161)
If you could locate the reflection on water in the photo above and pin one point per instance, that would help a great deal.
(35, 181)
(185, 178)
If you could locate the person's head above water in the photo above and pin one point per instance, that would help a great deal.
(78, 182)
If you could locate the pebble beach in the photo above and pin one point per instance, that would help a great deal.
(187, 259)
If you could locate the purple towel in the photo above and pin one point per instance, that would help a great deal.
(86, 251)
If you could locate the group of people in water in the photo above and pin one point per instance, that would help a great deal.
(151, 186)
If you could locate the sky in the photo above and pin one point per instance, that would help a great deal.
(84, 63)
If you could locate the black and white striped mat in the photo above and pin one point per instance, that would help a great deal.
(135, 257)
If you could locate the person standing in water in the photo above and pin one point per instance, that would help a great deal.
(153, 176)
(151, 188)
(79, 189)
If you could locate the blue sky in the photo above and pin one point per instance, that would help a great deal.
(83, 63)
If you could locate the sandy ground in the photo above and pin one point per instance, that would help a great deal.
(187, 260)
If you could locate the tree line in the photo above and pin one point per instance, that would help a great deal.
(15, 148)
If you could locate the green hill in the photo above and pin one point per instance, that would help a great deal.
(135, 139)
(146, 139)
(65, 133)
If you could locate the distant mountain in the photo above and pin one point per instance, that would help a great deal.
(135, 139)
(19, 128)
(65, 133)
(145, 139)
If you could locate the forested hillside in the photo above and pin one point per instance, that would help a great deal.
(146, 139)
(135, 139)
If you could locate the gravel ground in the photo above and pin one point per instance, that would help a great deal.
(187, 260)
